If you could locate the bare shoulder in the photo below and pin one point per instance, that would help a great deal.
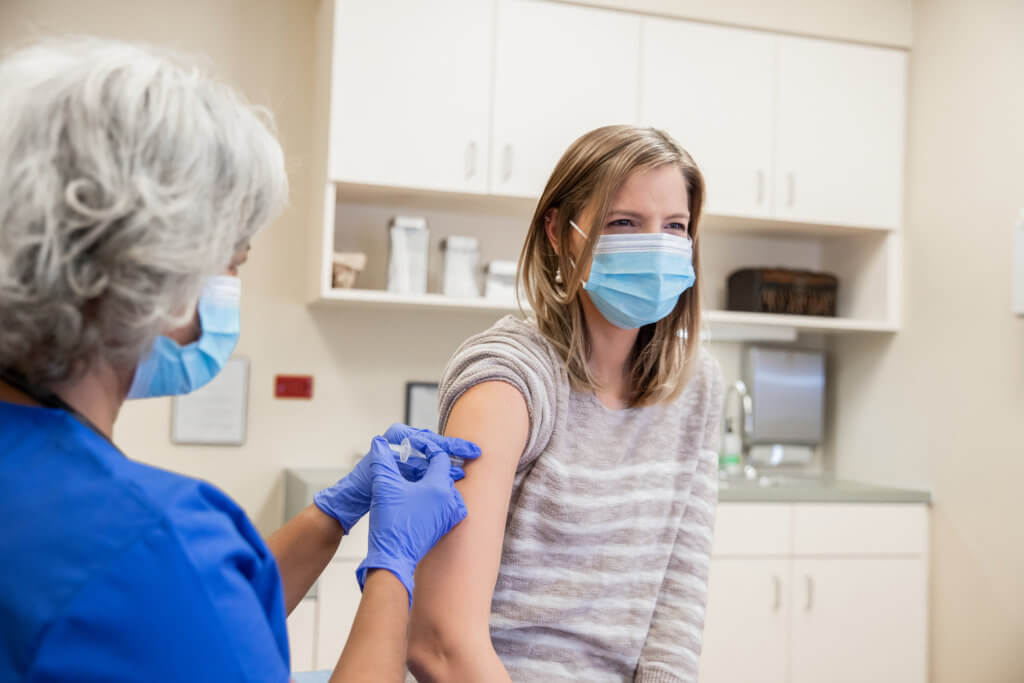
(487, 410)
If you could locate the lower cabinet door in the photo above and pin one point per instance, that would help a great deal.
(747, 625)
(302, 634)
(338, 599)
(860, 619)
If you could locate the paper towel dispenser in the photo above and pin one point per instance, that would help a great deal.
(787, 391)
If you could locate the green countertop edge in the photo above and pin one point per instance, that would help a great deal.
(831, 492)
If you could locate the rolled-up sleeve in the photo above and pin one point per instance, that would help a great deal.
(508, 352)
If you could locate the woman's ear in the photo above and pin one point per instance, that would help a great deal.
(550, 221)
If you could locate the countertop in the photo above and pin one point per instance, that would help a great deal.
(806, 489)
(302, 484)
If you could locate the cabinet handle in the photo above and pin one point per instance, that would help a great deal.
(791, 183)
(470, 159)
(760, 187)
(810, 593)
(777, 603)
(506, 172)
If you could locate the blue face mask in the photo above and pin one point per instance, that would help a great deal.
(636, 280)
(170, 369)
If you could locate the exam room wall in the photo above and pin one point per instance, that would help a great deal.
(941, 404)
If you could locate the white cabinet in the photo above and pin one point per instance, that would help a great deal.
(338, 596)
(806, 593)
(483, 97)
(713, 89)
(859, 619)
(302, 635)
(840, 133)
(338, 600)
(786, 128)
(410, 93)
(746, 634)
(560, 71)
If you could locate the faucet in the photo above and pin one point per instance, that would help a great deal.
(746, 405)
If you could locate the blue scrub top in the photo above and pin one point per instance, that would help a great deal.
(112, 570)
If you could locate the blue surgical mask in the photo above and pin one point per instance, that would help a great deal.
(636, 279)
(171, 369)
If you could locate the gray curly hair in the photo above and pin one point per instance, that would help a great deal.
(127, 178)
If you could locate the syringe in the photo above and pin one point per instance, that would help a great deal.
(406, 451)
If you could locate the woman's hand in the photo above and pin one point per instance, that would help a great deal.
(407, 518)
(349, 499)
(305, 545)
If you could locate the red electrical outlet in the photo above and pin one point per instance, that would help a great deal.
(293, 386)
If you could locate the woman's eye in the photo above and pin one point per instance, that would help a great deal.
(680, 227)
(621, 223)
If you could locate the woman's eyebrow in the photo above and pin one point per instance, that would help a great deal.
(634, 214)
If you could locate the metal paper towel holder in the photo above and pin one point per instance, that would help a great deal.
(787, 392)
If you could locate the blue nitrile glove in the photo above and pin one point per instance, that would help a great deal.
(408, 517)
(349, 499)
(430, 444)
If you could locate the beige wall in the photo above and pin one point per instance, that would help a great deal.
(942, 403)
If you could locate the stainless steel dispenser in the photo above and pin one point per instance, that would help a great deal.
(787, 392)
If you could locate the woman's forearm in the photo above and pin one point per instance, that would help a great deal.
(303, 547)
(375, 651)
(470, 659)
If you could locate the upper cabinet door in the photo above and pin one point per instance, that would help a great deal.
(713, 90)
(841, 114)
(411, 90)
(560, 71)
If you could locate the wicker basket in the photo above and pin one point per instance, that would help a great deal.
(780, 290)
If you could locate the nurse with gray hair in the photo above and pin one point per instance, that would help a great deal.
(130, 187)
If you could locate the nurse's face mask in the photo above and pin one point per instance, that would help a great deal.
(171, 369)
(636, 279)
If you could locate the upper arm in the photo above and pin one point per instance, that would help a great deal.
(151, 613)
(455, 581)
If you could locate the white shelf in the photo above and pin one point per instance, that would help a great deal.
(383, 300)
(379, 299)
(803, 323)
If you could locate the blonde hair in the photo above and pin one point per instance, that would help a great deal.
(588, 175)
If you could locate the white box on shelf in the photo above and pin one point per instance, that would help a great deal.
(410, 251)
(461, 265)
(501, 282)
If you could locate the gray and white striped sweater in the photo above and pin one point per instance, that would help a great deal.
(604, 567)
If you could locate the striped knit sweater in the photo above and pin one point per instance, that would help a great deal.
(604, 567)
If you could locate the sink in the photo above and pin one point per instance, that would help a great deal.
(775, 480)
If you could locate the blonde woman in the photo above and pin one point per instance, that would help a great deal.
(585, 557)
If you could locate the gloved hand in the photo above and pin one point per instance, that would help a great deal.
(430, 444)
(349, 499)
(407, 518)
